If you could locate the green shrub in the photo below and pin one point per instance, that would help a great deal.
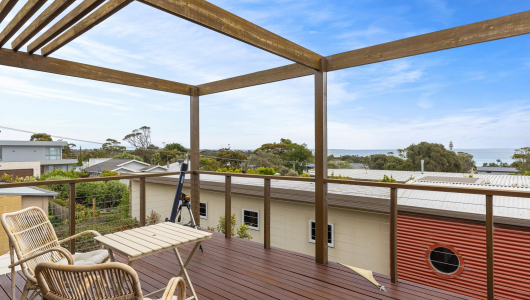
(305, 175)
(388, 179)
(72, 174)
(108, 173)
(340, 177)
(230, 170)
(527, 173)
(221, 226)
(242, 232)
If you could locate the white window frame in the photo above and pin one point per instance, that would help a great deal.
(332, 244)
(243, 218)
(203, 217)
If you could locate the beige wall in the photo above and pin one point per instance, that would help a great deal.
(7, 204)
(361, 237)
(35, 165)
(42, 202)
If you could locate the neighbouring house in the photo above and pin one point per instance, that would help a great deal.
(32, 158)
(13, 199)
(497, 170)
(434, 228)
(123, 166)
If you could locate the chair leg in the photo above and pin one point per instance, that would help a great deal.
(25, 291)
(13, 275)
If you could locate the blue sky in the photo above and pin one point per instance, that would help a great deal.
(476, 96)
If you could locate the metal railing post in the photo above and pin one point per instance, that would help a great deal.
(71, 192)
(393, 235)
(142, 202)
(489, 248)
(228, 207)
(267, 199)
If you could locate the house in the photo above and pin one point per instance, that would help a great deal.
(32, 158)
(433, 227)
(123, 166)
(13, 199)
(497, 170)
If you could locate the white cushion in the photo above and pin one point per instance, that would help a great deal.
(174, 298)
(87, 258)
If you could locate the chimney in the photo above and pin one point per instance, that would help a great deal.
(422, 166)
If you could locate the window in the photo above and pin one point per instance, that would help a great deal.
(331, 233)
(203, 210)
(251, 218)
(53, 153)
(444, 260)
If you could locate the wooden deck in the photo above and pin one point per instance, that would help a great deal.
(239, 269)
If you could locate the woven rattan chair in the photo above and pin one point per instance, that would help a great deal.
(110, 281)
(33, 239)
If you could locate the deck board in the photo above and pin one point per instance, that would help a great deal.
(239, 269)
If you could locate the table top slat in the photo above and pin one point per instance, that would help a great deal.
(175, 233)
(128, 243)
(117, 246)
(168, 238)
(147, 238)
(185, 229)
(132, 239)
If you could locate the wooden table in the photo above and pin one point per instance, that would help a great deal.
(143, 241)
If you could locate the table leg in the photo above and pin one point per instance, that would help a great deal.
(183, 269)
(190, 256)
(111, 255)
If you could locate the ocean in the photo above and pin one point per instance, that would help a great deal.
(480, 156)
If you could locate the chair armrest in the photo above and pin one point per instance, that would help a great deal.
(93, 232)
(58, 249)
(176, 283)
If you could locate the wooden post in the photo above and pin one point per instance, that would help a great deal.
(321, 170)
(228, 207)
(393, 235)
(93, 208)
(71, 218)
(267, 198)
(142, 201)
(195, 154)
(489, 248)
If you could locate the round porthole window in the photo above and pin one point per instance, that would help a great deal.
(444, 260)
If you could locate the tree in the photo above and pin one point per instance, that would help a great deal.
(276, 148)
(299, 154)
(522, 159)
(385, 162)
(126, 155)
(235, 158)
(41, 137)
(265, 159)
(209, 164)
(112, 147)
(436, 157)
(467, 162)
(176, 146)
(140, 138)
(67, 150)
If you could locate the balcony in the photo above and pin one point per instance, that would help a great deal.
(238, 269)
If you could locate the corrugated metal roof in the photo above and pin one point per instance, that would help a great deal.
(27, 191)
(510, 207)
(34, 143)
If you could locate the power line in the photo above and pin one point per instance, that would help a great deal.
(55, 136)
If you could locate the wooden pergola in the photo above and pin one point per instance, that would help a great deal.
(89, 13)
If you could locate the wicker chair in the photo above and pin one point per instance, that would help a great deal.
(110, 281)
(33, 239)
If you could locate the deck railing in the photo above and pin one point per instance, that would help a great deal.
(487, 193)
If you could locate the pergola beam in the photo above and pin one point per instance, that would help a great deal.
(66, 22)
(489, 30)
(262, 77)
(215, 18)
(63, 67)
(480, 32)
(101, 14)
(5, 8)
(27, 11)
(48, 15)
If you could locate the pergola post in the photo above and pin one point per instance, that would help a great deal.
(195, 154)
(321, 169)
